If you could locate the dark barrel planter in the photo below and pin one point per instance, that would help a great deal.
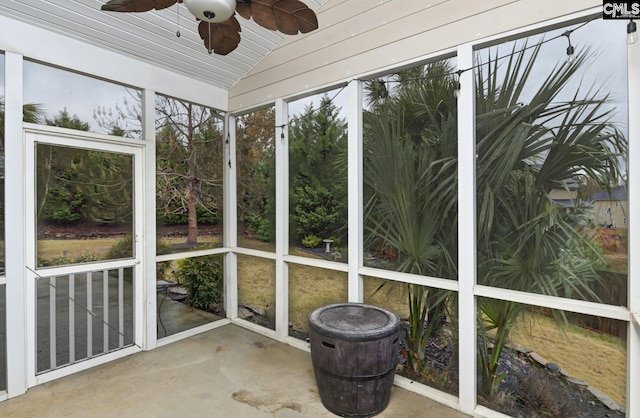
(355, 350)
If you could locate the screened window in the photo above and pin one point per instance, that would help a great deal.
(58, 97)
(189, 154)
(318, 207)
(410, 171)
(256, 170)
(551, 140)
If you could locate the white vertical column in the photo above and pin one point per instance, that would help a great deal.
(355, 179)
(145, 301)
(467, 232)
(230, 227)
(105, 311)
(633, 331)
(53, 328)
(89, 314)
(282, 218)
(15, 218)
(72, 318)
(120, 307)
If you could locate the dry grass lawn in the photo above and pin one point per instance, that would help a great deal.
(596, 358)
(309, 288)
(52, 248)
(257, 283)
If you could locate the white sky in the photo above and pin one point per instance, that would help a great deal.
(339, 97)
(605, 69)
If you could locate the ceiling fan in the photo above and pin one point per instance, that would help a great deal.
(219, 28)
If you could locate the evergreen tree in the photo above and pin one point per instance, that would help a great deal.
(255, 134)
(64, 120)
(318, 192)
(60, 195)
(77, 185)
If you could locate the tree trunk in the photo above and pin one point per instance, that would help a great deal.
(192, 231)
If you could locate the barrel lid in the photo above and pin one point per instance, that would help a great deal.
(354, 321)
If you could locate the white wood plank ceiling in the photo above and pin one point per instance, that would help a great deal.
(151, 36)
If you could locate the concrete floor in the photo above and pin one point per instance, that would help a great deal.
(174, 317)
(227, 372)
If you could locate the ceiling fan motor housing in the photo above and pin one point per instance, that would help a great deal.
(215, 11)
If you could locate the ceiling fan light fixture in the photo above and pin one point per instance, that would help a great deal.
(218, 26)
(215, 11)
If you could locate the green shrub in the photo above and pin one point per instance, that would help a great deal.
(311, 241)
(202, 277)
(337, 243)
(317, 211)
(60, 260)
(161, 269)
(262, 226)
(266, 232)
(180, 216)
(123, 248)
(162, 247)
(86, 257)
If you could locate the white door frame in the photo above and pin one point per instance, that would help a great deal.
(34, 134)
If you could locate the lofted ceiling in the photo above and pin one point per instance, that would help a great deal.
(151, 36)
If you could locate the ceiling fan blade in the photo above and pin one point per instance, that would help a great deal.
(220, 38)
(287, 16)
(244, 9)
(137, 5)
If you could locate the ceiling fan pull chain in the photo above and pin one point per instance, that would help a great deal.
(178, 7)
(209, 48)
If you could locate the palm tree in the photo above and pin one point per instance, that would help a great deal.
(411, 189)
(31, 112)
(525, 149)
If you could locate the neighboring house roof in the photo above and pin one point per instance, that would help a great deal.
(567, 203)
(617, 193)
(571, 183)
